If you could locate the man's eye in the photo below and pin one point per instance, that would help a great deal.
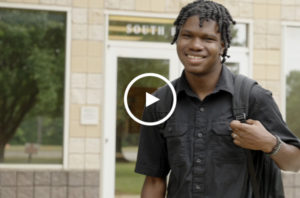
(209, 39)
(186, 35)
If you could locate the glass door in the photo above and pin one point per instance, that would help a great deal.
(121, 133)
(127, 130)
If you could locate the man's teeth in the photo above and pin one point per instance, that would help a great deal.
(195, 57)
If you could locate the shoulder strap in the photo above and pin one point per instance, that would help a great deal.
(240, 105)
(240, 102)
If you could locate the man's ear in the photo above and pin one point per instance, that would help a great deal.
(222, 48)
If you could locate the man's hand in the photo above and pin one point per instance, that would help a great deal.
(252, 135)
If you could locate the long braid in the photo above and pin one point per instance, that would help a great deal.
(205, 10)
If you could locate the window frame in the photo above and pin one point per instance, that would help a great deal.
(284, 26)
(66, 113)
(247, 51)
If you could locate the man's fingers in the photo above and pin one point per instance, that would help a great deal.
(237, 126)
(234, 124)
(237, 142)
(250, 121)
(234, 135)
(253, 122)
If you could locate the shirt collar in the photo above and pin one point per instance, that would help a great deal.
(225, 83)
(183, 85)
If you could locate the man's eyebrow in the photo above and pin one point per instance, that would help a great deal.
(211, 35)
(186, 31)
(203, 34)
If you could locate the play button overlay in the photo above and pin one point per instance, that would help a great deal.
(150, 99)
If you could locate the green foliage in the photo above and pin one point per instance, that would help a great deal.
(19, 138)
(31, 74)
(52, 130)
(293, 102)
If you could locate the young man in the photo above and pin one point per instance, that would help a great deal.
(201, 144)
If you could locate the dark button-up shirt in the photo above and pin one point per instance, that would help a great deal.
(196, 143)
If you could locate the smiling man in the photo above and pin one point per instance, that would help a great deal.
(201, 145)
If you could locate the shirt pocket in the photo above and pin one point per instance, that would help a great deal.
(177, 139)
(223, 148)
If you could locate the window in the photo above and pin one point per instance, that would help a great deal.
(239, 35)
(32, 70)
(238, 62)
(292, 74)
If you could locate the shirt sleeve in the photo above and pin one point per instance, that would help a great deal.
(152, 157)
(264, 109)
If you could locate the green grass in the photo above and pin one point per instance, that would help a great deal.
(127, 181)
(10, 159)
(41, 148)
(33, 161)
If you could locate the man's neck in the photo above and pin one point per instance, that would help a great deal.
(203, 85)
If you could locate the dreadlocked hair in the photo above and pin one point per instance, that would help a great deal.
(207, 10)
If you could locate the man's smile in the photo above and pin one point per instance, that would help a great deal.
(195, 58)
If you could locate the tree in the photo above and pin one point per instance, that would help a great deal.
(293, 101)
(31, 68)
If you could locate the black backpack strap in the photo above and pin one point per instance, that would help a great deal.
(242, 88)
(240, 105)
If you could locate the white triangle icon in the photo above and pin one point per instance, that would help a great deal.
(150, 99)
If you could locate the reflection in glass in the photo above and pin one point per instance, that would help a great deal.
(234, 67)
(292, 72)
(32, 86)
(239, 35)
(127, 182)
(293, 101)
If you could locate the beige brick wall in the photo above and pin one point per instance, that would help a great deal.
(267, 45)
(86, 82)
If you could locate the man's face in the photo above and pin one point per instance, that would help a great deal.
(199, 49)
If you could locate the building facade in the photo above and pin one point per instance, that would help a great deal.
(105, 37)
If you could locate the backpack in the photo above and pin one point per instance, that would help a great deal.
(265, 176)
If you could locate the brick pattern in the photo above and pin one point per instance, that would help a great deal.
(81, 184)
(49, 184)
(291, 183)
(267, 45)
(86, 82)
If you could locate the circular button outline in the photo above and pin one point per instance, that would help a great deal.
(161, 120)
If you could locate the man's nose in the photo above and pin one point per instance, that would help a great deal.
(197, 44)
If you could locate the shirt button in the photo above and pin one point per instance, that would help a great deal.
(201, 109)
(200, 135)
(203, 129)
(198, 187)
